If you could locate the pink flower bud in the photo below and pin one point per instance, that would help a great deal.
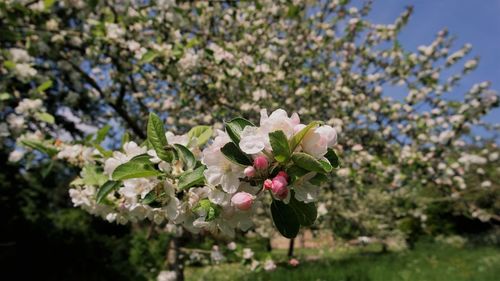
(283, 174)
(249, 171)
(242, 200)
(260, 163)
(293, 262)
(268, 184)
(279, 188)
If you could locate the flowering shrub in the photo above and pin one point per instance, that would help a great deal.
(217, 189)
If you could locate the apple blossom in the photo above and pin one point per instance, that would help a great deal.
(249, 171)
(261, 163)
(242, 200)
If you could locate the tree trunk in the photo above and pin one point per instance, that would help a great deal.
(174, 261)
(269, 247)
(290, 247)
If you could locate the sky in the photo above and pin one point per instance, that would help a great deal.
(471, 21)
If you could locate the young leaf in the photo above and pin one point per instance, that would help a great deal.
(186, 156)
(45, 117)
(49, 150)
(149, 56)
(332, 158)
(307, 162)
(44, 86)
(156, 137)
(101, 134)
(306, 212)
(105, 189)
(234, 153)
(285, 219)
(149, 198)
(137, 167)
(201, 133)
(279, 143)
(191, 178)
(125, 138)
(297, 138)
(211, 210)
(91, 175)
(326, 165)
(235, 126)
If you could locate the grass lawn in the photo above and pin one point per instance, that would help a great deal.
(427, 262)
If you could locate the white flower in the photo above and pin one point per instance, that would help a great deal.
(231, 246)
(16, 155)
(114, 31)
(247, 253)
(486, 184)
(139, 186)
(305, 191)
(24, 70)
(220, 170)
(177, 139)
(216, 255)
(167, 276)
(317, 141)
(259, 94)
(20, 55)
(278, 120)
(269, 265)
(172, 206)
(253, 140)
(131, 150)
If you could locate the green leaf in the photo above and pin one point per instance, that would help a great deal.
(44, 86)
(49, 150)
(91, 175)
(295, 172)
(186, 156)
(46, 170)
(332, 157)
(235, 126)
(125, 138)
(306, 212)
(156, 137)
(279, 143)
(192, 178)
(201, 133)
(9, 64)
(192, 42)
(326, 165)
(149, 56)
(105, 189)
(149, 198)
(319, 179)
(307, 162)
(293, 11)
(137, 167)
(212, 210)
(104, 152)
(234, 154)
(297, 138)
(101, 134)
(4, 96)
(45, 117)
(285, 219)
(48, 4)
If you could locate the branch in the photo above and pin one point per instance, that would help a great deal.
(116, 106)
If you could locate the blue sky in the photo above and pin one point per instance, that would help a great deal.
(470, 21)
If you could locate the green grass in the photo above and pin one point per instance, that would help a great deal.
(427, 262)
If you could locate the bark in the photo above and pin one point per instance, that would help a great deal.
(174, 262)
(290, 247)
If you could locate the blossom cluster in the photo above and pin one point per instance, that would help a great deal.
(219, 188)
